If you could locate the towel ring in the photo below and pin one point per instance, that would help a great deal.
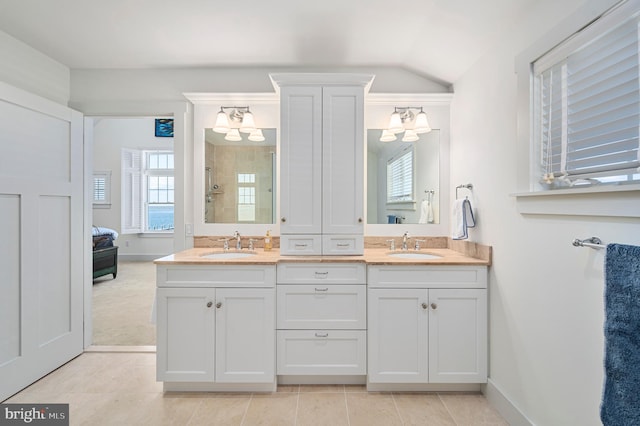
(468, 186)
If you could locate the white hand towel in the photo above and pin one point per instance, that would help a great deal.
(462, 218)
(424, 212)
(430, 212)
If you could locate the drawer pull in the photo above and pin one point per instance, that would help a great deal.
(343, 244)
(322, 274)
(298, 245)
(322, 334)
(322, 289)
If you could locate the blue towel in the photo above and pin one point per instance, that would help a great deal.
(621, 395)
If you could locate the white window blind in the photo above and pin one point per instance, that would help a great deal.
(587, 105)
(400, 177)
(102, 189)
(132, 203)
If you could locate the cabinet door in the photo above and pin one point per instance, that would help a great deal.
(397, 333)
(343, 159)
(185, 334)
(245, 335)
(457, 336)
(301, 160)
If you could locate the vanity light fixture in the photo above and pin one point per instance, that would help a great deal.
(410, 120)
(228, 117)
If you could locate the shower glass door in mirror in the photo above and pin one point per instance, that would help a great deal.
(240, 179)
(403, 179)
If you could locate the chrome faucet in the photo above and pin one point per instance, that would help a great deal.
(405, 239)
(236, 235)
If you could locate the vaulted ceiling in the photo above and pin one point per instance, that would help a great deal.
(439, 39)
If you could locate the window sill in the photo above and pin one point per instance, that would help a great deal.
(158, 234)
(608, 201)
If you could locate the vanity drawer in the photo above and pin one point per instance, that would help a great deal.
(434, 276)
(330, 352)
(342, 245)
(318, 273)
(216, 276)
(300, 245)
(321, 306)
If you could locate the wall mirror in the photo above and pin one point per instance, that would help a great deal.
(239, 179)
(403, 180)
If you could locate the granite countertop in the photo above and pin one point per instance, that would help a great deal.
(371, 256)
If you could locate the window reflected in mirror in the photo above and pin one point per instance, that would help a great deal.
(403, 179)
(240, 179)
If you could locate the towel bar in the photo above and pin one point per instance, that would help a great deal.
(593, 242)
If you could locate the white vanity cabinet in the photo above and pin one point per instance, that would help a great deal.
(322, 163)
(216, 326)
(321, 319)
(427, 324)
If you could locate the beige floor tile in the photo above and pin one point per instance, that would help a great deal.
(321, 409)
(471, 410)
(322, 388)
(277, 409)
(355, 388)
(221, 410)
(372, 410)
(422, 409)
(288, 388)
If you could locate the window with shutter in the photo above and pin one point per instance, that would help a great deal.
(587, 105)
(400, 177)
(102, 189)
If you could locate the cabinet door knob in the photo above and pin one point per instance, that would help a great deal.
(424, 306)
(219, 305)
(359, 220)
(283, 219)
(209, 304)
(434, 306)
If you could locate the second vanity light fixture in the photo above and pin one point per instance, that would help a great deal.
(405, 119)
(241, 115)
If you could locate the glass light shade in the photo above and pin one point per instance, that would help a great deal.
(247, 125)
(387, 136)
(422, 125)
(233, 135)
(410, 135)
(395, 123)
(222, 123)
(256, 136)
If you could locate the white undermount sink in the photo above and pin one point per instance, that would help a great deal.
(413, 255)
(229, 254)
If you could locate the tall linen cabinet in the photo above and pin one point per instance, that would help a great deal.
(322, 163)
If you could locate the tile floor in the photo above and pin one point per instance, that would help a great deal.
(120, 389)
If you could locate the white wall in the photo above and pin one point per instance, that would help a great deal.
(546, 296)
(110, 136)
(26, 68)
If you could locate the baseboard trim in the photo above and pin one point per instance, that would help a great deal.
(127, 349)
(505, 407)
(139, 257)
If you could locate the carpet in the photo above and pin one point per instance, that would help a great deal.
(122, 306)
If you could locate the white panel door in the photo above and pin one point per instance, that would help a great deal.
(245, 335)
(397, 335)
(343, 160)
(186, 327)
(42, 227)
(301, 160)
(458, 336)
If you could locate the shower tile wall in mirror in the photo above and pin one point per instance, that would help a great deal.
(240, 179)
(403, 179)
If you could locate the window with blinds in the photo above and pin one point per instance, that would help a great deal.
(400, 177)
(102, 189)
(587, 105)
